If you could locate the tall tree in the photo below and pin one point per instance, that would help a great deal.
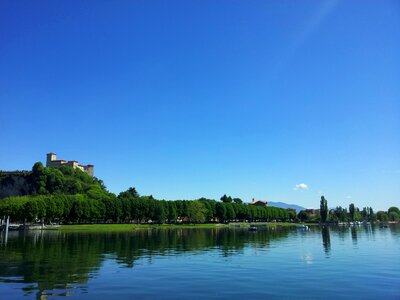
(352, 211)
(323, 209)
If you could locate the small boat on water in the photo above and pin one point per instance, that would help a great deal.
(305, 227)
(252, 228)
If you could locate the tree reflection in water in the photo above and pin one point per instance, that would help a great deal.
(326, 240)
(354, 235)
(51, 261)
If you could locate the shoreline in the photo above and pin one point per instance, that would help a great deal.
(131, 227)
(126, 227)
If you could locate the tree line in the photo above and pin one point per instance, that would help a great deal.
(69, 195)
(352, 214)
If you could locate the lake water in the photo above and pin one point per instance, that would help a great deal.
(322, 263)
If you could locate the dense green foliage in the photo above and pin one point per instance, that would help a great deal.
(45, 181)
(71, 196)
(84, 208)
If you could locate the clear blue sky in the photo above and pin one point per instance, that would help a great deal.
(183, 99)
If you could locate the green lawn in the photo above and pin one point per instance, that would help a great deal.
(129, 227)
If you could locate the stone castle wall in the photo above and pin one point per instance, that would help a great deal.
(52, 161)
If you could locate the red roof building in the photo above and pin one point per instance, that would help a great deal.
(259, 202)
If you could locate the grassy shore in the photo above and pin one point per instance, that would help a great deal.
(130, 227)
(270, 224)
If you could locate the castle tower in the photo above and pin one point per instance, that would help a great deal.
(50, 157)
(90, 170)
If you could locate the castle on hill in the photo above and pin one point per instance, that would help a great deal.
(52, 161)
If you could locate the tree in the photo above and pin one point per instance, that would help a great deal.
(393, 216)
(113, 208)
(220, 212)
(352, 211)
(237, 200)
(209, 212)
(291, 213)
(195, 211)
(73, 186)
(371, 212)
(303, 216)
(126, 209)
(323, 209)
(394, 209)
(382, 216)
(226, 199)
(129, 193)
(172, 213)
(160, 212)
(39, 178)
(30, 210)
(80, 210)
(230, 212)
(341, 214)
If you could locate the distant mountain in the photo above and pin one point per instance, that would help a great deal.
(298, 208)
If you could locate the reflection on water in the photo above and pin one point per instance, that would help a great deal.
(354, 235)
(54, 260)
(54, 263)
(326, 240)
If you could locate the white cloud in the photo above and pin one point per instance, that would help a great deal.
(301, 187)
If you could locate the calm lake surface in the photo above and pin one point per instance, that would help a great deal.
(322, 263)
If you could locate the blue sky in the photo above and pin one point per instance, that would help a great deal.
(184, 99)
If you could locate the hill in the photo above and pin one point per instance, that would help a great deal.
(296, 207)
(46, 181)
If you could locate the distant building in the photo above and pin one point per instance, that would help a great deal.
(312, 212)
(52, 161)
(259, 202)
